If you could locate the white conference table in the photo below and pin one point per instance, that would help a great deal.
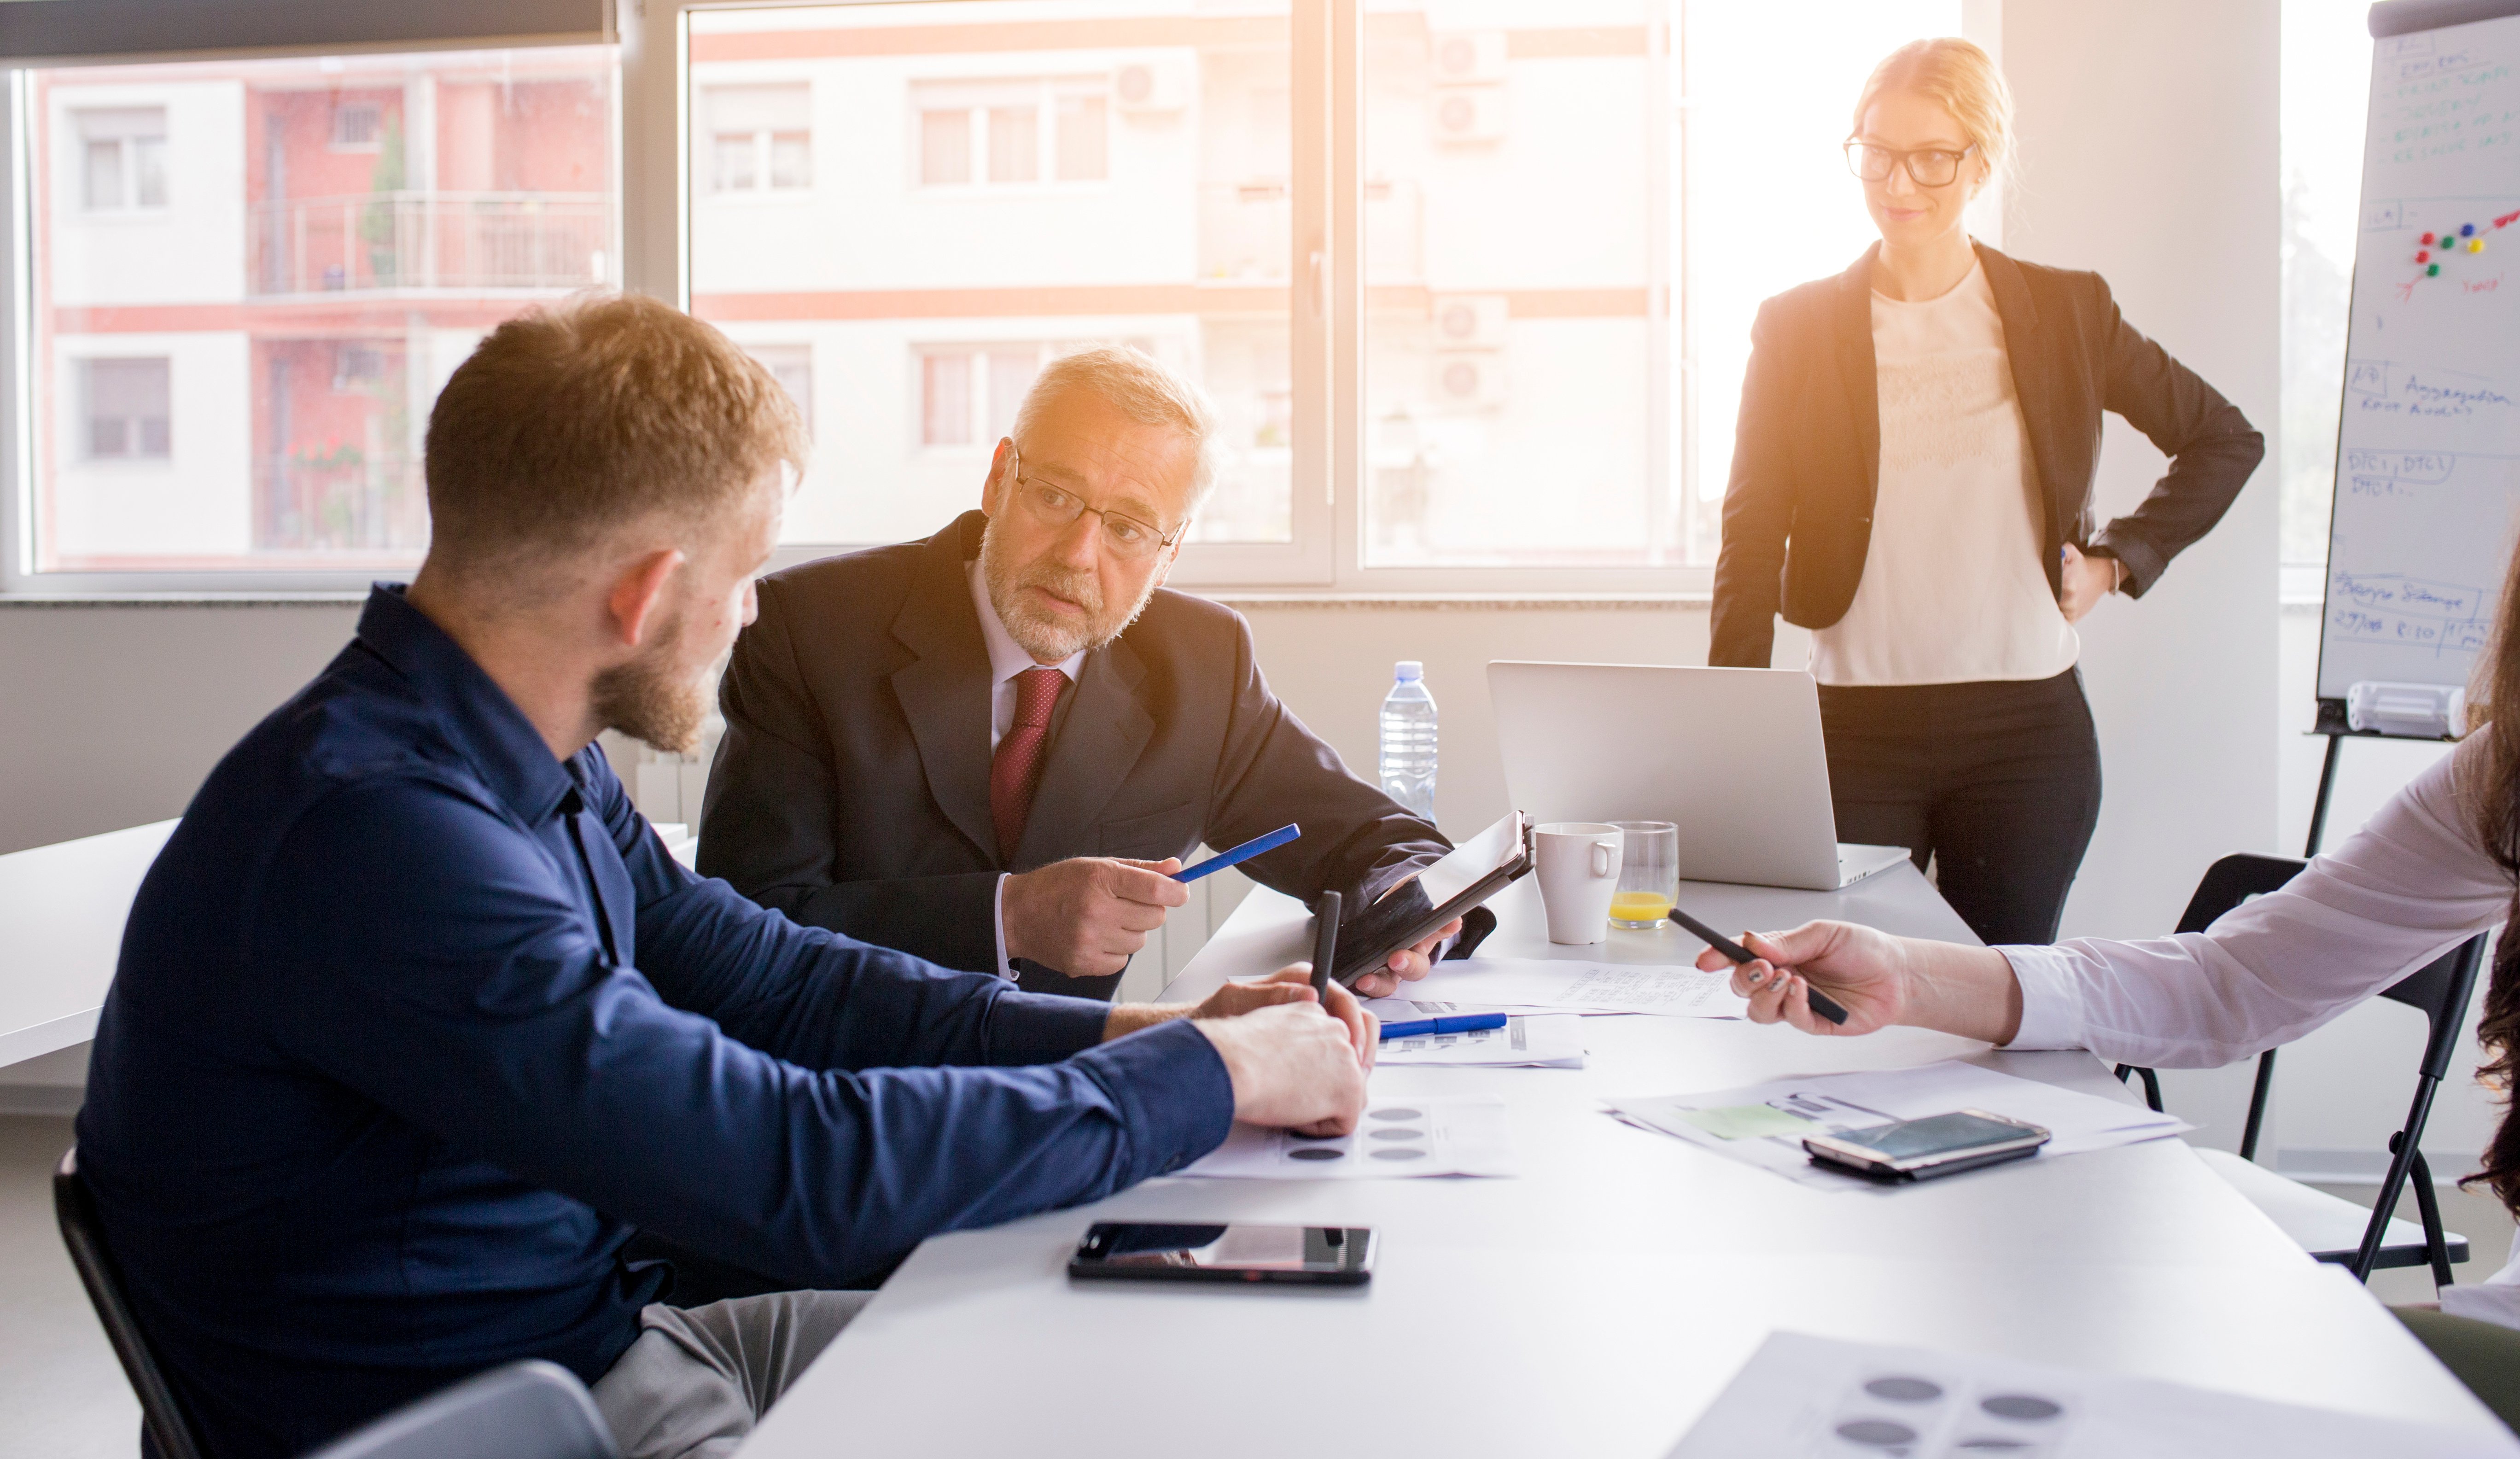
(62, 910)
(1598, 1303)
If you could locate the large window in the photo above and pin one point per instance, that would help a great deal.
(1469, 281)
(996, 194)
(1539, 231)
(2326, 84)
(249, 276)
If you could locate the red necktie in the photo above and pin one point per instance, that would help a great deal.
(1015, 773)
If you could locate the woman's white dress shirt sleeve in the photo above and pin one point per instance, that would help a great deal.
(2408, 887)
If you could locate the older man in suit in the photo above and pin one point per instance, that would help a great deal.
(988, 748)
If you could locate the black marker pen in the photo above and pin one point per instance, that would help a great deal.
(1820, 1003)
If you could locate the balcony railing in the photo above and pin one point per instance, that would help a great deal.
(341, 503)
(442, 241)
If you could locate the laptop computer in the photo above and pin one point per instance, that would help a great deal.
(1731, 755)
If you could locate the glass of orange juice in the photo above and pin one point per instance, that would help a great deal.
(1649, 875)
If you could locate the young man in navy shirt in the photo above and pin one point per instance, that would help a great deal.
(416, 1020)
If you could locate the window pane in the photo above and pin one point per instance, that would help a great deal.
(126, 407)
(149, 163)
(1084, 138)
(2326, 74)
(1015, 144)
(791, 159)
(945, 399)
(945, 148)
(792, 365)
(286, 388)
(1529, 391)
(936, 296)
(1513, 304)
(730, 158)
(1011, 374)
(103, 175)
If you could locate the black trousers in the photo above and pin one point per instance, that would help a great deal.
(1999, 781)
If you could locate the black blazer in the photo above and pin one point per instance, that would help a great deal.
(1807, 455)
(851, 790)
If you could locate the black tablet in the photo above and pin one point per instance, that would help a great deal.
(1423, 905)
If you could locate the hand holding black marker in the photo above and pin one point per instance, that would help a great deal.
(1821, 1003)
(1325, 921)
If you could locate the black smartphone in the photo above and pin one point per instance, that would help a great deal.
(1141, 1252)
(1922, 1149)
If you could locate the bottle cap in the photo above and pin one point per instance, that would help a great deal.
(1406, 669)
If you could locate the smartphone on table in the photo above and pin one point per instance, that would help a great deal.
(1148, 1252)
(1922, 1149)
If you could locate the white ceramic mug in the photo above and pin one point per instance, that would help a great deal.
(1579, 870)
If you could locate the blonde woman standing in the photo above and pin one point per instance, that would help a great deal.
(1911, 481)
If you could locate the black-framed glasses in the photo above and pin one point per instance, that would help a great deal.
(1928, 166)
(1054, 506)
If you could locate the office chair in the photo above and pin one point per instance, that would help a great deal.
(527, 1410)
(74, 1206)
(2328, 1228)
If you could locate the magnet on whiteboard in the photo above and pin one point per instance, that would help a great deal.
(2409, 711)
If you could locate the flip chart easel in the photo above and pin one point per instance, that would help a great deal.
(2428, 442)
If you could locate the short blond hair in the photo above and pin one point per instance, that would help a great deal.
(1965, 79)
(572, 420)
(1140, 386)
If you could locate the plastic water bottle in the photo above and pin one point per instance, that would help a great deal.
(1408, 739)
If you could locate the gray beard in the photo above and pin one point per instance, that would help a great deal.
(1046, 639)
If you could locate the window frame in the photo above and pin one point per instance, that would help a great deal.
(353, 27)
(658, 191)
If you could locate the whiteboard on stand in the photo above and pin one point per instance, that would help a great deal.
(2428, 445)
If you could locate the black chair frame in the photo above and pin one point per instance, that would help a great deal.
(74, 1206)
(2439, 991)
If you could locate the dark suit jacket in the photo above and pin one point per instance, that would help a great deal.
(851, 790)
(1807, 455)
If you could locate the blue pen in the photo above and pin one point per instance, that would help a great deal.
(1243, 853)
(1459, 1023)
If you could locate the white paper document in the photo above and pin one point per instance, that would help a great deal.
(1526, 1041)
(1451, 1135)
(1803, 1398)
(1763, 1125)
(1672, 990)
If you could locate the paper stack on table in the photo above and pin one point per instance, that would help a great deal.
(1526, 1041)
(1451, 1135)
(1763, 1125)
(1672, 990)
(1801, 1398)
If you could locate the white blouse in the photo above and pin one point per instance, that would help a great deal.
(1953, 589)
(2407, 888)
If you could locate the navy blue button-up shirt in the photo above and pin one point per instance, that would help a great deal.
(415, 1021)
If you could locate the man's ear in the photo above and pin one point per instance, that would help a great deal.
(1172, 554)
(639, 591)
(989, 497)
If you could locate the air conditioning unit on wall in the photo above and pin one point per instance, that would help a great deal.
(1467, 58)
(1468, 321)
(1467, 115)
(1147, 88)
(1469, 380)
